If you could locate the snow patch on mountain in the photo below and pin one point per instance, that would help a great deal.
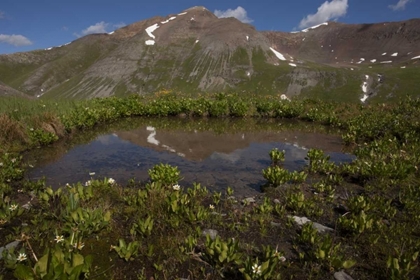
(365, 89)
(150, 29)
(279, 55)
(315, 26)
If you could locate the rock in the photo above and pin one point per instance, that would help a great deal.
(321, 228)
(211, 232)
(248, 200)
(232, 198)
(303, 220)
(276, 201)
(8, 246)
(27, 206)
(300, 220)
(341, 275)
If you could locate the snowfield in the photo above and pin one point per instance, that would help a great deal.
(315, 26)
(150, 29)
(279, 55)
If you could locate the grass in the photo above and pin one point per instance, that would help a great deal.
(103, 229)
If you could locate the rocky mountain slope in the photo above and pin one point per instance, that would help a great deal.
(194, 51)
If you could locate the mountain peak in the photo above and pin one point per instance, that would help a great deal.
(196, 8)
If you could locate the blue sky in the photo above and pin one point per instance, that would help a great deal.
(38, 24)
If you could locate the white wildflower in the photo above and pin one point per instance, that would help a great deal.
(13, 207)
(256, 269)
(21, 257)
(111, 181)
(59, 238)
(79, 245)
(176, 187)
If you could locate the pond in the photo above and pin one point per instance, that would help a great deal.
(214, 152)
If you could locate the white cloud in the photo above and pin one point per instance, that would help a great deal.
(99, 27)
(239, 13)
(15, 40)
(400, 5)
(119, 25)
(326, 12)
(1, 14)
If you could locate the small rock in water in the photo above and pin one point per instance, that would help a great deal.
(341, 275)
(212, 232)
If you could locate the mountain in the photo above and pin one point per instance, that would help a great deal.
(194, 51)
(5, 90)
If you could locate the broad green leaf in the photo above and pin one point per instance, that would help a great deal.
(348, 264)
(107, 216)
(23, 272)
(77, 260)
(42, 264)
(264, 266)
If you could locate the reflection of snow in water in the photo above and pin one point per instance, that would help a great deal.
(151, 138)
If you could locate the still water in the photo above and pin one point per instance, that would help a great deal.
(215, 153)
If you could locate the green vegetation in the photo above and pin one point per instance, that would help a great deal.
(161, 229)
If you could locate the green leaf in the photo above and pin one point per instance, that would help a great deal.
(77, 260)
(23, 272)
(321, 254)
(223, 256)
(107, 216)
(264, 266)
(348, 264)
(75, 273)
(42, 264)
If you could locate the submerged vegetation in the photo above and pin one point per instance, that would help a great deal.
(362, 217)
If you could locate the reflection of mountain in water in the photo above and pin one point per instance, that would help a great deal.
(198, 146)
(216, 160)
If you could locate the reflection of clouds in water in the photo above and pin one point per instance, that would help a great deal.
(109, 139)
(295, 152)
(232, 157)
